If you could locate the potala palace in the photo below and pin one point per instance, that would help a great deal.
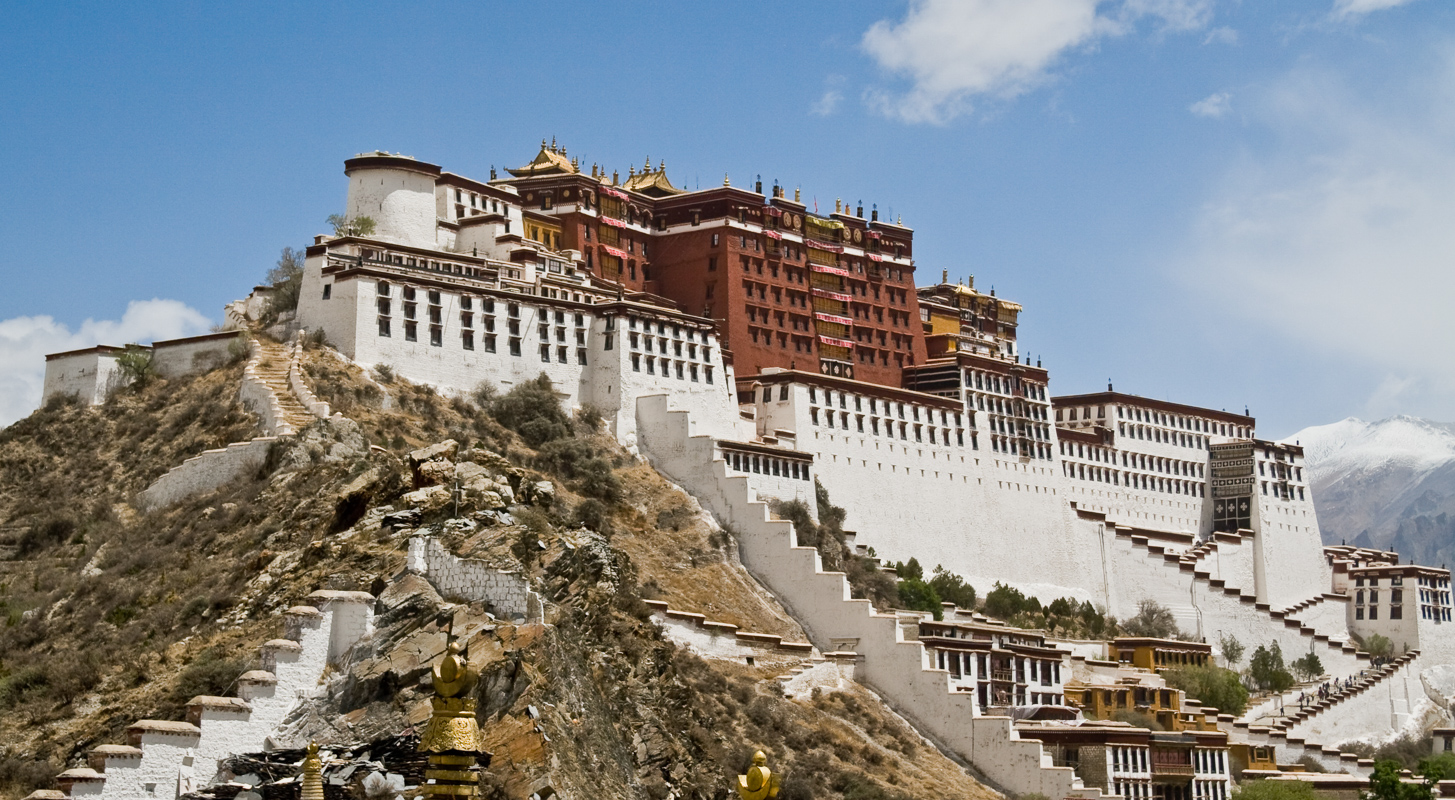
(747, 347)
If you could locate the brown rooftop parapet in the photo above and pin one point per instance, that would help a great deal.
(46, 794)
(96, 759)
(68, 779)
(159, 727)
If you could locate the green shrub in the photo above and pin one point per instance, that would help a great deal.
(952, 588)
(593, 514)
(1212, 686)
(1138, 719)
(210, 673)
(917, 595)
(1309, 667)
(1275, 790)
(1154, 620)
(51, 532)
(135, 365)
(1267, 671)
(532, 410)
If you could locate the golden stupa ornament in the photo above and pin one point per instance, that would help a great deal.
(452, 737)
(760, 783)
(311, 787)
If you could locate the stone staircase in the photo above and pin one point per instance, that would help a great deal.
(896, 667)
(275, 389)
(169, 758)
(1340, 657)
(273, 363)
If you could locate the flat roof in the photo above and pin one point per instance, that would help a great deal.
(1120, 398)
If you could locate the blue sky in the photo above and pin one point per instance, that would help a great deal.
(1208, 201)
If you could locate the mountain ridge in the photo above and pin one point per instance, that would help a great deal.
(1388, 484)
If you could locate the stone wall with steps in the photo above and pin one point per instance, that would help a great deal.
(167, 758)
(284, 404)
(895, 667)
(506, 592)
(722, 639)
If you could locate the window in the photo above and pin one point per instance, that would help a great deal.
(327, 290)
(436, 335)
(515, 346)
(410, 332)
(467, 339)
(545, 352)
(384, 327)
(489, 344)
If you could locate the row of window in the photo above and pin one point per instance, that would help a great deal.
(1104, 455)
(767, 465)
(1130, 759)
(676, 331)
(874, 404)
(645, 341)
(1150, 434)
(1283, 491)
(668, 368)
(905, 428)
(1134, 480)
(1045, 672)
(998, 384)
(1001, 444)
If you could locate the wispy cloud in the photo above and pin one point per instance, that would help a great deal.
(1214, 105)
(25, 341)
(1335, 239)
(1221, 35)
(829, 101)
(952, 51)
(1345, 9)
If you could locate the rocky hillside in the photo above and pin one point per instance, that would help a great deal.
(110, 615)
(1387, 484)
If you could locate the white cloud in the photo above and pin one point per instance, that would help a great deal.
(25, 341)
(1221, 35)
(954, 50)
(827, 104)
(1214, 105)
(1353, 8)
(1335, 239)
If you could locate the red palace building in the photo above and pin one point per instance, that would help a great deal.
(827, 293)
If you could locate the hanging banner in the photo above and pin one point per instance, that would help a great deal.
(844, 343)
(613, 222)
(833, 295)
(610, 192)
(613, 251)
(832, 248)
(873, 257)
(833, 318)
(829, 270)
(773, 235)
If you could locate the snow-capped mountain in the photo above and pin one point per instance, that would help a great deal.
(1387, 484)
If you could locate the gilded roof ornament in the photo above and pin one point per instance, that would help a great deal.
(452, 738)
(760, 783)
(725, 181)
(549, 161)
(311, 787)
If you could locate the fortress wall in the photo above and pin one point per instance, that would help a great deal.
(1136, 507)
(821, 602)
(205, 472)
(345, 317)
(1233, 562)
(88, 374)
(506, 592)
(400, 201)
(1293, 553)
(179, 357)
(1372, 715)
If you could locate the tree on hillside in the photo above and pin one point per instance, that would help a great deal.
(1231, 648)
(1152, 619)
(1267, 671)
(952, 588)
(1308, 667)
(351, 226)
(1213, 686)
(286, 281)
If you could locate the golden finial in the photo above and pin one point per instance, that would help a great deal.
(451, 738)
(662, 166)
(901, 220)
(838, 206)
(631, 171)
(797, 195)
(760, 783)
(312, 785)
(725, 181)
(648, 166)
(553, 144)
(615, 177)
(543, 142)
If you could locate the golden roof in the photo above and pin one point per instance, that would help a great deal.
(651, 182)
(549, 161)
